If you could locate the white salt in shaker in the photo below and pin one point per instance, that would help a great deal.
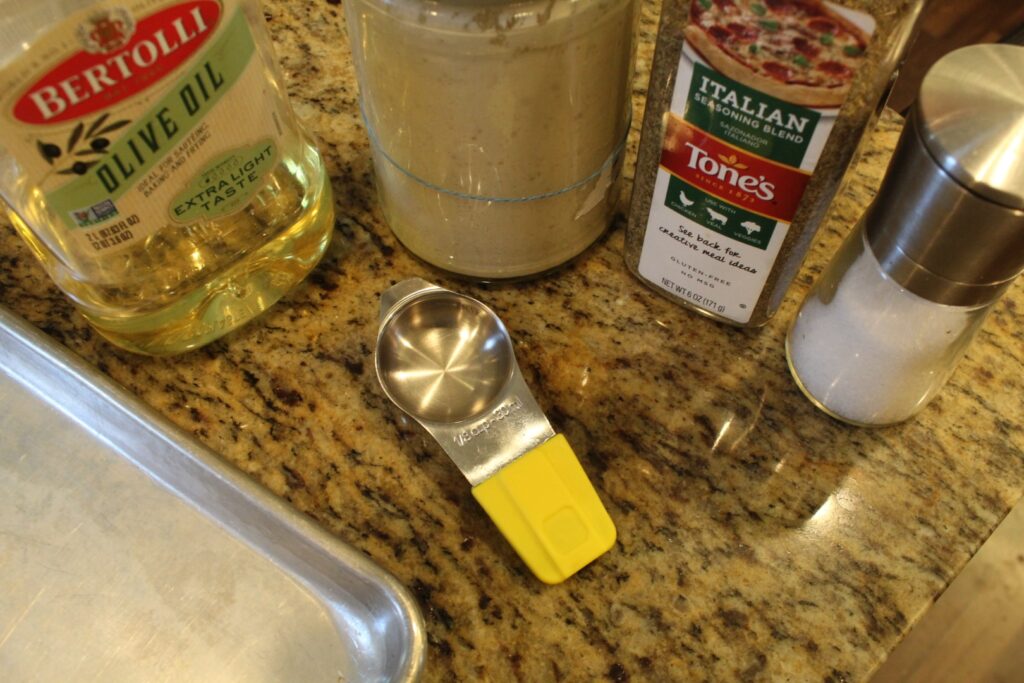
(881, 331)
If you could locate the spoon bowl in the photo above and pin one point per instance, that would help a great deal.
(444, 357)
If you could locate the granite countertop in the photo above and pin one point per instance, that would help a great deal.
(758, 538)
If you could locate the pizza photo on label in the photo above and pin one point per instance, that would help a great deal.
(802, 51)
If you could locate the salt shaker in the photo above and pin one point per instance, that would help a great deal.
(883, 328)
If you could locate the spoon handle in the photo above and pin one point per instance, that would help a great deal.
(546, 507)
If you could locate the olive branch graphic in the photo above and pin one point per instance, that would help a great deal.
(84, 146)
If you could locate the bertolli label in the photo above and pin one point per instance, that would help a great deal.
(119, 111)
(119, 58)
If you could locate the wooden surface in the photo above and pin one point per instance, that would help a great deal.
(975, 631)
(947, 25)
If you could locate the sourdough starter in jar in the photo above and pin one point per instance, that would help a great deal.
(497, 129)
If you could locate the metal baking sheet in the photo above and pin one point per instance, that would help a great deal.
(130, 552)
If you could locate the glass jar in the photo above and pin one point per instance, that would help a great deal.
(497, 128)
(151, 161)
(884, 326)
(755, 112)
(866, 350)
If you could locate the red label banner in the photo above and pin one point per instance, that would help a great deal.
(745, 180)
(119, 59)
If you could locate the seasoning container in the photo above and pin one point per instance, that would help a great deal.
(151, 161)
(881, 331)
(497, 127)
(754, 112)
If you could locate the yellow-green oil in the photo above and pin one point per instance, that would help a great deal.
(187, 285)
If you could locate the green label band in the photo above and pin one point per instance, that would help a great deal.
(748, 118)
(162, 127)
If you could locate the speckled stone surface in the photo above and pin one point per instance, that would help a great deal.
(759, 540)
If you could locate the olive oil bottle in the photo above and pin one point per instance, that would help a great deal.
(153, 164)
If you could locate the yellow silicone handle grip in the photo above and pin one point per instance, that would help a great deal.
(546, 507)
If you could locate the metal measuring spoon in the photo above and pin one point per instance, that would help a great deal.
(447, 360)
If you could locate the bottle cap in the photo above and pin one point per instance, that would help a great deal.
(948, 221)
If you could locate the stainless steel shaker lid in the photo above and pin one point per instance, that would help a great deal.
(971, 108)
(948, 221)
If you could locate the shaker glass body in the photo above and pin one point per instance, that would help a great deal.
(867, 351)
(151, 161)
(497, 128)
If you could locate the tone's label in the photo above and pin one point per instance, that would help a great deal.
(741, 142)
(124, 113)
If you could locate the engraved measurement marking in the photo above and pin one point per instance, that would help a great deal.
(497, 415)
